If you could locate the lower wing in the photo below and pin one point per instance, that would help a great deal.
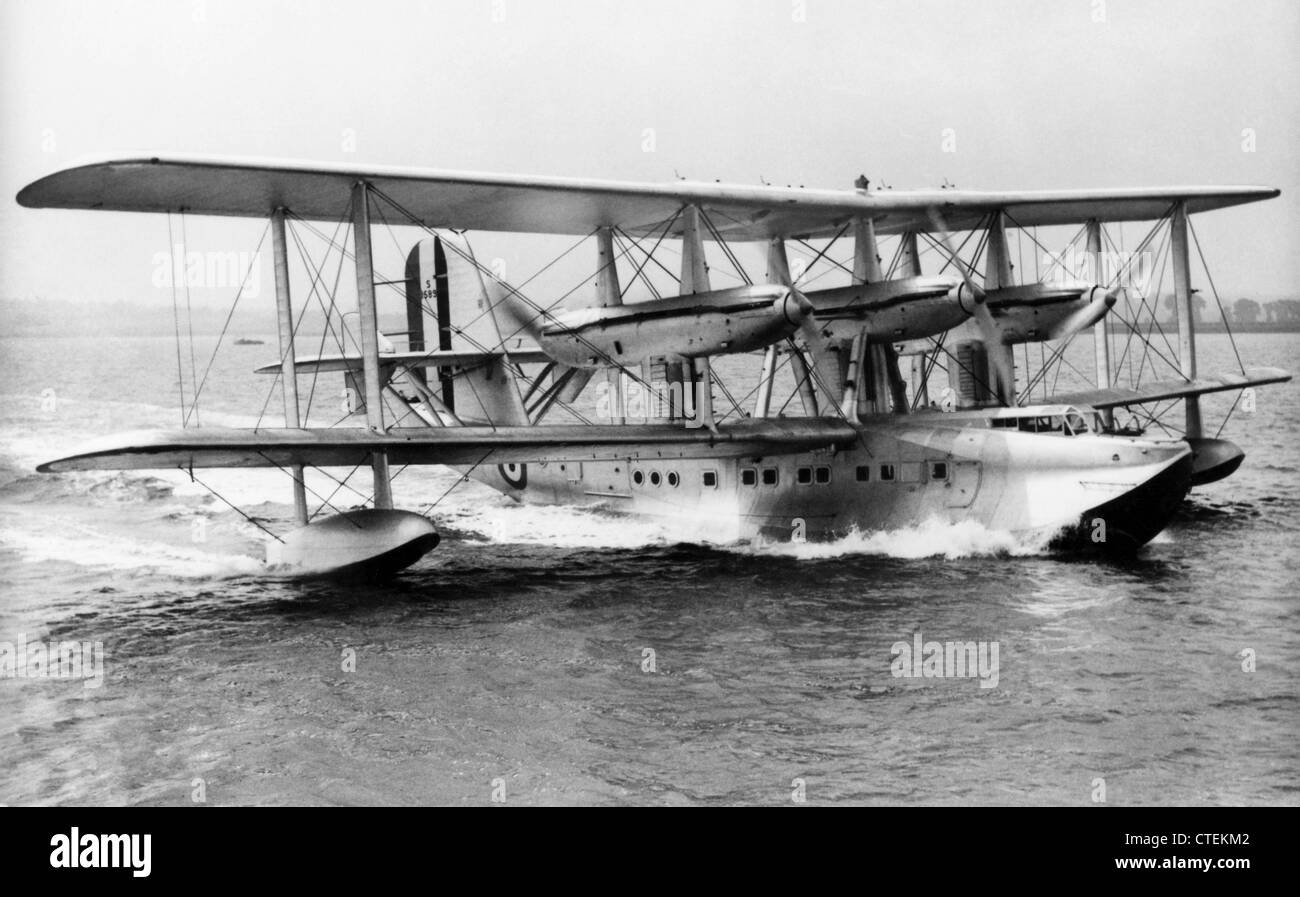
(1119, 396)
(345, 447)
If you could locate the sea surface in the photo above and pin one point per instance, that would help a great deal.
(567, 656)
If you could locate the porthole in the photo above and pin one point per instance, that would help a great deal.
(673, 479)
(638, 477)
(749, 477)
(655, 479)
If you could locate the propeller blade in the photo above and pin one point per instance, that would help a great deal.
(778, 268)
(997, 349)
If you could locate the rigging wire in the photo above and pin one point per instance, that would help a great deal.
(230, 314)
(1040, 377)
(273, 463)
(228, 503)
(539, 311)
(176, 320)
(1217, 301)
(328, 329)
(464, 478)
(625, 247)
(432, 313)
(651, 254)
(189, 323)
(341, 485)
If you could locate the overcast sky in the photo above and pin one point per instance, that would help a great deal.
(1038, 94)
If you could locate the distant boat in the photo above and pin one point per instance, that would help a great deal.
(245, 341)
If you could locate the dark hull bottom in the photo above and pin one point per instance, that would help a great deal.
(1124, 524)
(1214, 459)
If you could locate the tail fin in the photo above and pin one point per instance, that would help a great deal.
(445, 280)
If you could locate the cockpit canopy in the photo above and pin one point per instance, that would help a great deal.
(1058, 420)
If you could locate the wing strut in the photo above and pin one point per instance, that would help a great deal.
(1100, 339)
(695, 279)
(370, 337)
(288, 360)
(1186, 322)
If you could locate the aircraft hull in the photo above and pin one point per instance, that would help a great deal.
(1040, 488)
(1124, 524)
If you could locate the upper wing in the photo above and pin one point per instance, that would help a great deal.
(346, 447)
(528, 204)
(1118, 396)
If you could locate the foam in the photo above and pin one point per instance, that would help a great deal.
(87, 547)
(558, 526)
(933, 538)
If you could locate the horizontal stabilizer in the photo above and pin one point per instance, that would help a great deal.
(437, 358)
(346, 447)
(1118, 396)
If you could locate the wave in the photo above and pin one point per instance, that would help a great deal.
(932, 538)
(504, 522)
(30, 435)
(472, 512)
(86, 547)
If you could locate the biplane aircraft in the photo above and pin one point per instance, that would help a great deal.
(485, 367)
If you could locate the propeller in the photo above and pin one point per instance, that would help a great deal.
(988, 328)
(778, 271)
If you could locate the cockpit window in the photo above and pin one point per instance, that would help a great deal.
(1071, 422)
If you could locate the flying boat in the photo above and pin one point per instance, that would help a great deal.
(835, 436)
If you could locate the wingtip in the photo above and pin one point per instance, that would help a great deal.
(24, 196)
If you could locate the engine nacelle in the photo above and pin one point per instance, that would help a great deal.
(893, 310)
(1034, 312)
(721, 321)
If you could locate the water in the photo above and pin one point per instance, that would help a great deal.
(513, 655)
